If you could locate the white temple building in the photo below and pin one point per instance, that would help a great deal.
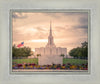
(50, 54)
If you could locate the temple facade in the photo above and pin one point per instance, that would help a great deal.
(50, 54)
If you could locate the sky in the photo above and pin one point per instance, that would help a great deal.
(69, 29)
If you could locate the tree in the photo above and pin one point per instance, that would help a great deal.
(14, 49)
(85, 49)
(80, 52)
(20, 52)
(38, 55)
(62, 55)
(84, 44)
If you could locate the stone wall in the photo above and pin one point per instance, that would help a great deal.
(50, 55)
(49, 60)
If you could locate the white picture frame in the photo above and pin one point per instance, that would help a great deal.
(7, 78)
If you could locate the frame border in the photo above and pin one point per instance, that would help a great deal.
(92, 78)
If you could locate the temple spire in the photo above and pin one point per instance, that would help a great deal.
(50, 38)
(50, 29)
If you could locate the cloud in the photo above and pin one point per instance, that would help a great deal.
(24, 33)
(82, 26)
(39, 28)
(75, 13)
(83, 20)
(82, 23)
(18, 16)
(54, 15)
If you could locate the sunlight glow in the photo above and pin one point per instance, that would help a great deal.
(33, 50)
(40, 40)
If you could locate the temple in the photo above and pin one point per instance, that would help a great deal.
(50, 54)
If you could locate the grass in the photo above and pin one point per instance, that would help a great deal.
(75, 61)
(65, 60)
(20, 61)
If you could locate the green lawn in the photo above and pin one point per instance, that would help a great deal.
(19, 61)
(75, 61)
(35, 60)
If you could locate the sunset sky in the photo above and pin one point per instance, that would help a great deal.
(69, 29)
